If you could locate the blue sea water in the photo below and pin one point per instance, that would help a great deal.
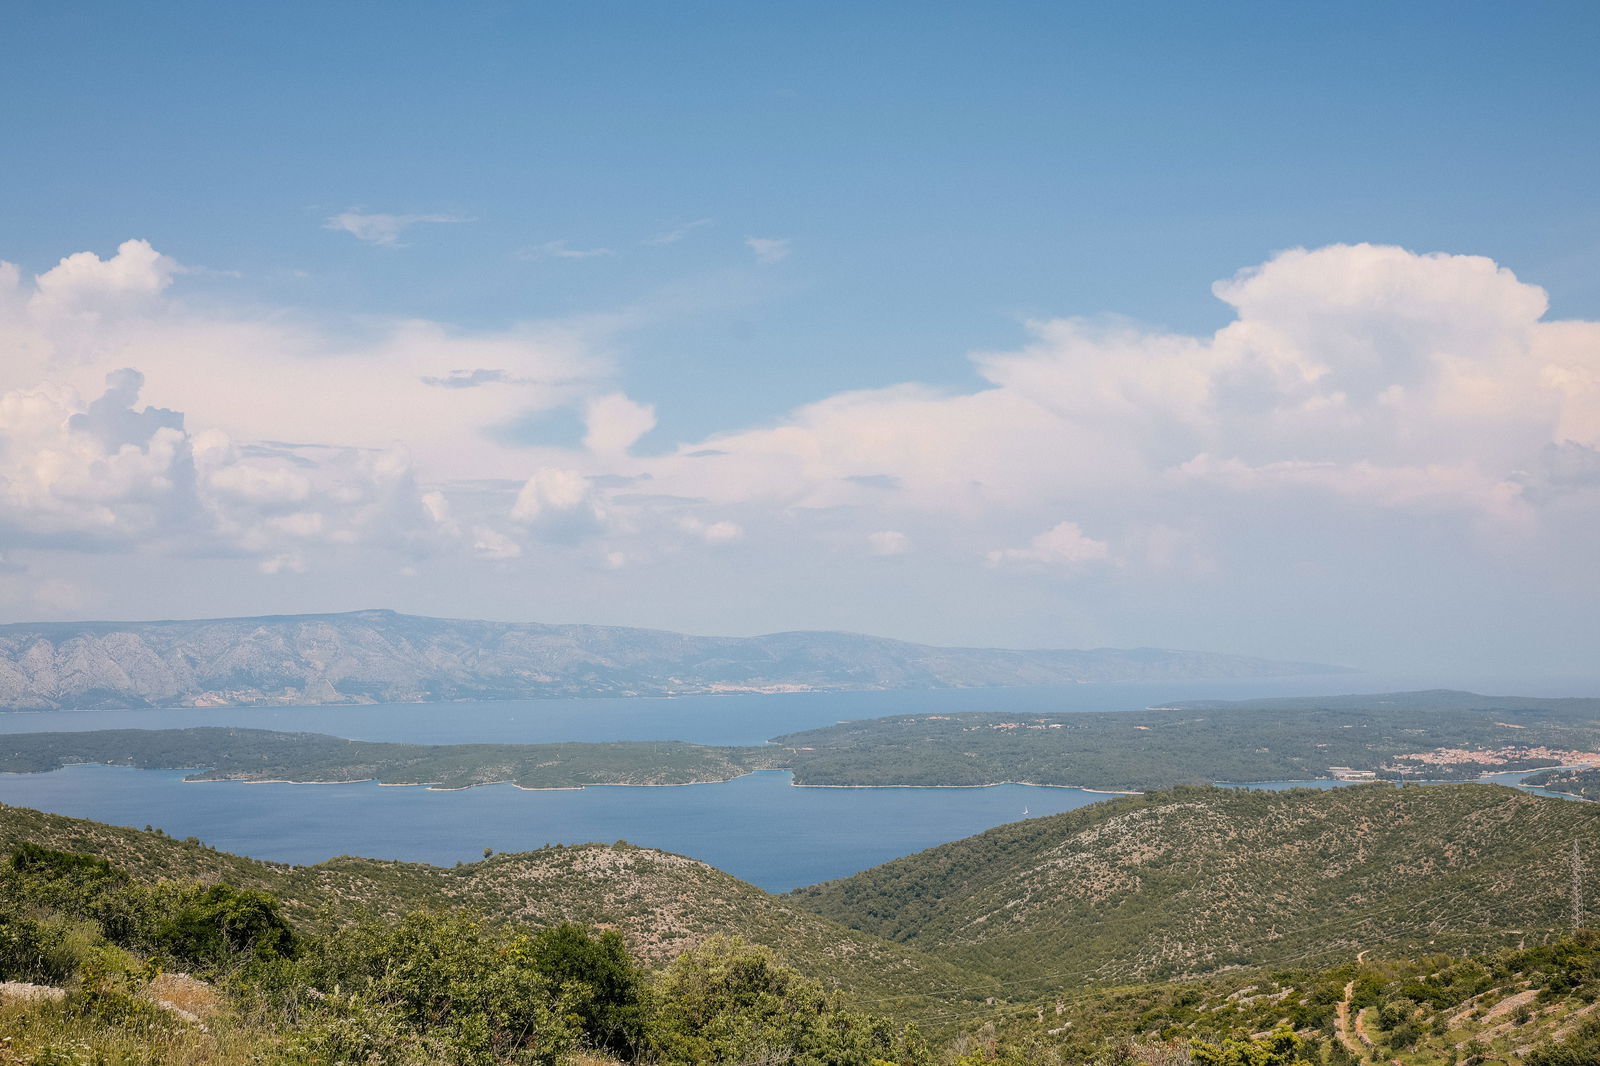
(721, 719)
(756, 827)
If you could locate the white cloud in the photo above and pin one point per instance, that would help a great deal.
(1363, 400)
(718, 532)
(612, 423)
(561, 250)
(1063, 545)
(722, 532)
(768, 249)
(110, 475)
(491, 544)
(136, 272)
(1389, 379)
(377, 228)
(287, 563)
(888, 542)
(676, 233)
(264, 375)
(560, 505)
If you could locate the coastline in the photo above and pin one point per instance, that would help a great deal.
(431, 786)
(435, 787)
(990, 784)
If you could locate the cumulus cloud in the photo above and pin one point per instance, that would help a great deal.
(1389, 379)
(612, 423)
(136, 272)
(111, 475)
(1063, 545)
(888, 542)
(491, 544)
(1356, 387)
(560, 505)
(263, 376)
(768, 249)
(378, 228)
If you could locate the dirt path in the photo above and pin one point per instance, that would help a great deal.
(1341, 1015)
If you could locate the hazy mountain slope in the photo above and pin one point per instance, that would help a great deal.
(382, 656)
(1196, 879)
(662, 903)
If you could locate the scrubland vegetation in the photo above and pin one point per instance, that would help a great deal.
(1191, 927)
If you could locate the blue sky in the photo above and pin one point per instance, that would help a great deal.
(716, 214)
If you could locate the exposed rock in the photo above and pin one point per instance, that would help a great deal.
(22, 992)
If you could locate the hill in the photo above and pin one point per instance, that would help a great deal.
(1441, 735)
(1196, 880)
(232, 754)
(1585, 784)
(660, 902)
(381, 656)
(1530, 1005)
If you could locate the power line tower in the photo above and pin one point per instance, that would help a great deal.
(1577, 887)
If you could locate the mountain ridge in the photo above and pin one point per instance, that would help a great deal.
(1197, 880)
(383, 656)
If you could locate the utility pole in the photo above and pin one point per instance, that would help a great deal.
(1577, 887)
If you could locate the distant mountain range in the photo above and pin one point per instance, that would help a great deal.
(385, 657)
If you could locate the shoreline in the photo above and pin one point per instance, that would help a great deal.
(991, 784)
(430, 786)
(436, 787)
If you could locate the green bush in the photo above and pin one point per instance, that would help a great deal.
(601, 981)
(727, 1002)
(216, 925)
(445, 979)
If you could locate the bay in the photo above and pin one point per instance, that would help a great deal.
(757, 827)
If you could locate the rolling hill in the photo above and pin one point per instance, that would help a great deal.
(1197, 880)
(661, 903)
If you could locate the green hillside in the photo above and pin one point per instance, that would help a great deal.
(1418, 926)
(1196, 880)
(661, 903)
(233, 754)
(1585, 784)
(1539, 1005)
(1439, 735)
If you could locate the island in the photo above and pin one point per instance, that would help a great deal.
(1433, 736)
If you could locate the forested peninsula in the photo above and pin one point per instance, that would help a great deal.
(1407, 736)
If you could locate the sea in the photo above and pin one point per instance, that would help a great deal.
(759, 827)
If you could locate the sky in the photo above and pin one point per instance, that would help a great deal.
(1251, 327)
